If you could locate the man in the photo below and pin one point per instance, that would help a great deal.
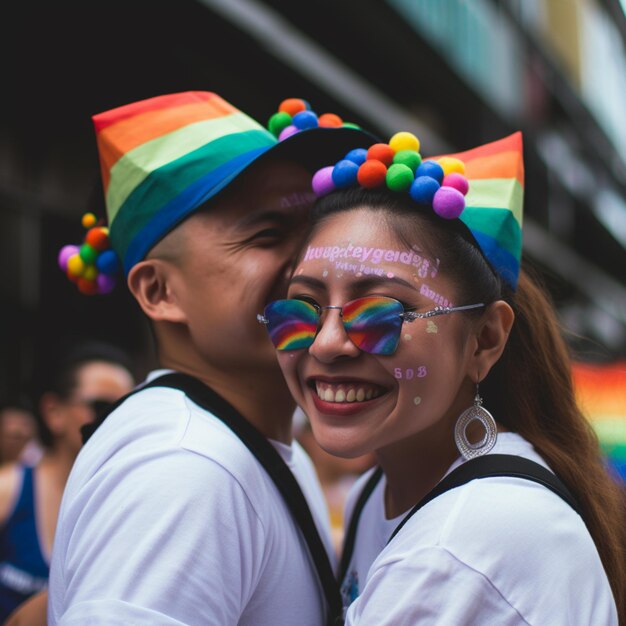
(182, 508)
(90, 374)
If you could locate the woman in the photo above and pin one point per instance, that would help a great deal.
(410, 331)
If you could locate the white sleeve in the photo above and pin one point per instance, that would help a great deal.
(430, 588)
(171, 540)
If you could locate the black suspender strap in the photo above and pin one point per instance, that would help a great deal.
(490, 465)
(273, 464)
(348, 542)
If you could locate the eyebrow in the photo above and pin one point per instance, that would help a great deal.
(362, 283)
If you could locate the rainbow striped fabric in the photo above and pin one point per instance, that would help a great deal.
(601, 394)
(163, 157)
(494, 203)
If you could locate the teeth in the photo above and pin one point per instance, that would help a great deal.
(351, 394)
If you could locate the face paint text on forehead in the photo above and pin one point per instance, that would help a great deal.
(359, 256)
(297, 199)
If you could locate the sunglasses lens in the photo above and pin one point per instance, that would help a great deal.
(292, 324)
(374, 323)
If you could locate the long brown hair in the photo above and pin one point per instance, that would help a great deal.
(530, 390)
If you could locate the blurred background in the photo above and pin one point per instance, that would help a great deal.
(457, 73)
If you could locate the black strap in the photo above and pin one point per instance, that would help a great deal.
(348, 542)
(271, 460)
(487, 466)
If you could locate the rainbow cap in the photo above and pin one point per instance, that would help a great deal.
(482, 187)
(163, 157)
(495, 202)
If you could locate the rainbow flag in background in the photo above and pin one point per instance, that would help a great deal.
(495, 202)
(601, 393)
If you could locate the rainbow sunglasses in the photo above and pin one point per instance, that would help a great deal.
(372, 323)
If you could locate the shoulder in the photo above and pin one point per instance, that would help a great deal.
(10, 482)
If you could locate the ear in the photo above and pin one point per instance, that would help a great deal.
(51, 412)
(152, 283)
(492, 335)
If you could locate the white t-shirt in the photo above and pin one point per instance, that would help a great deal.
(503, 551)
(167, 518)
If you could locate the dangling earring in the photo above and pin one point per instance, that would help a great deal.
(467, 449)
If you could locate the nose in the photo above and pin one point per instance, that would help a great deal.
(332, 342)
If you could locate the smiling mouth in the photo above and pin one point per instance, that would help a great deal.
(346, 392)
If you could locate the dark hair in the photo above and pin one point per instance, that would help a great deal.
(530, 389)
(63, 375)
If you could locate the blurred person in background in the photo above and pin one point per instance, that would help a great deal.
(18, 433)
(86, 380)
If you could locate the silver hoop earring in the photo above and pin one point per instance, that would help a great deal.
(477, 412)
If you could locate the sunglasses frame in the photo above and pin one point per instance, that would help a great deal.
(407, 315)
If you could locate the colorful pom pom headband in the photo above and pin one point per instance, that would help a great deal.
(92, 265)
(295, 115)
(398, 165)
(483, 187)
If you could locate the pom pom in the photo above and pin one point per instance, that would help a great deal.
(90, 272)
(457, 181)
(345, 173)
(330, 120)
(430, 168)
(372, 174)
(278, 122)
(105, 283)
(404, 141)
(451, 164)
(292, 106)
(75, 265)
(322, 182)
(64, 254)
(351, 125)
(358, 156)
(88, 220)
(381, 152)
(423, 189)
(97, 238)
(399, 177)
(448, 203)
(73, 277)
(305, 120)
(88, 254)
(410, 158)
(87, 287)
(287, 132)
(107, 262)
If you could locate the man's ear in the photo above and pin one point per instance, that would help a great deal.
(152, 284)
(492, 335)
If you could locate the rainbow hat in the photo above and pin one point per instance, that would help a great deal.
(495, 201)
(163, 157)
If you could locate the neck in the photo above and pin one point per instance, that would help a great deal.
(58, 461)
(413, 467)
(261, 396)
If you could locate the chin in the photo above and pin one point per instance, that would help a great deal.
(340, 443)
